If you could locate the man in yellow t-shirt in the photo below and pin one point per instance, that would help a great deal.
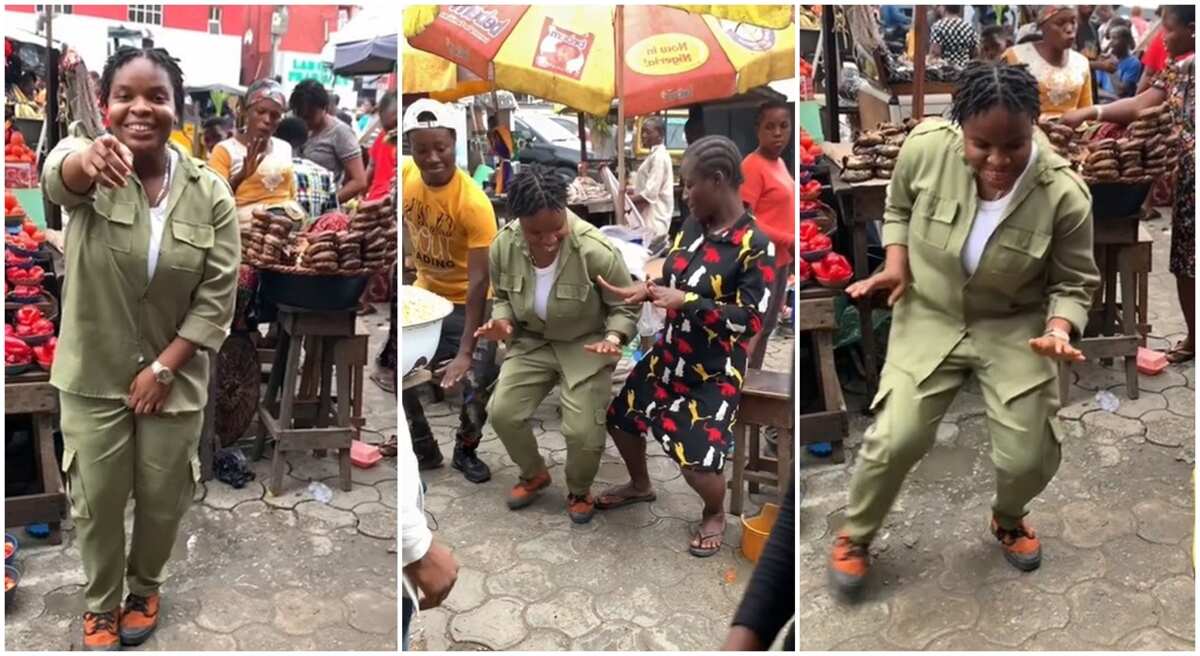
(449, 224)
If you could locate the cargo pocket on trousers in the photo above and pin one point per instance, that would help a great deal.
(189, 487)
(75, 489)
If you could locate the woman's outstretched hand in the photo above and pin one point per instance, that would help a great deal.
(1056, 348)
(894, 279)
(495, 330)
(636, 293)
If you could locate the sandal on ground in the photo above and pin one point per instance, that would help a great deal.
(702, 552)
(1179, 354)
(384, 382)
(609, 499)
(389, 448)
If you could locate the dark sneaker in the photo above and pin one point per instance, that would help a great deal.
(473, 469)
(524, 492)
(138, 619)
(848, 564)
(580, 508)
(100, 632)
(429, 455)
(1022, 549)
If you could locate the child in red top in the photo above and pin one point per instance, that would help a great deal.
(383, 152)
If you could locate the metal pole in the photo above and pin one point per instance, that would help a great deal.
(619, 201)
(832, 102)
(582, 138)
(54, 215)
(921, 25)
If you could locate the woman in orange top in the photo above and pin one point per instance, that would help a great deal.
(770, 192)
(1064, 75)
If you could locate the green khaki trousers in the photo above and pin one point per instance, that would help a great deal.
(108, 454)
(525, 381)
(1024, 435)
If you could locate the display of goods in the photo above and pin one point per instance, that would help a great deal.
(20, 175)
(12, 207)
(810, 152)
(806, 272)
(268, 236)
(809, 230)
(418, 308)
(320, 252)
(815, 247)
(44, 354)
(9, 583)
(22, 242)
(16, 151)
(330, 222)
(586, 190)
(1145, 151)
(31, 229)
(11, 258)
(32, 276)
(32, 323)
(875, 152)
(810, 190)
(833, 270)
(16, 352)
(26, 293)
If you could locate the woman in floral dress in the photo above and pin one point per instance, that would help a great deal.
(1175, 86)
(684, 393)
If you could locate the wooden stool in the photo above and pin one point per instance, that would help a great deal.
(299, 425)
(39, 399)
(766, 401)
(1113, 328)
(830, 424)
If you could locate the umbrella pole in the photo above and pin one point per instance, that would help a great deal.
(619, 201)
(582, 139)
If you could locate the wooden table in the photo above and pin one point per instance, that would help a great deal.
(830, 424)
(859, 204)
(32, 394)
(767, 400)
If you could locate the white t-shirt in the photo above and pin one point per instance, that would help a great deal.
(543, 285)
(655, 181)
(158, 218)
(987, 219)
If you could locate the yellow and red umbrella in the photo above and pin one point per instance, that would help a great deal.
(567, 54)
(442, 80)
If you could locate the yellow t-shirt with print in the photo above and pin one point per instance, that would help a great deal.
(442, 225)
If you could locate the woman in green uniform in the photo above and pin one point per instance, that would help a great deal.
(990, 272)
(563, 330)
(151, 267)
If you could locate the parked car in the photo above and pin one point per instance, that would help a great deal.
(542, 140)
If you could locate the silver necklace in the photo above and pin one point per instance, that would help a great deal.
(166, 184)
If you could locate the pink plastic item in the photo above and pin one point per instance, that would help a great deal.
(1151, 363)
(363, 455)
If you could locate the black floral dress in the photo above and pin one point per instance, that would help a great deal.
(685, 392)
(1178, 80)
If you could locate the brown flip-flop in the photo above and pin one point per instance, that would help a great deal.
(1178, 354)
(623, 501)
(701, 552)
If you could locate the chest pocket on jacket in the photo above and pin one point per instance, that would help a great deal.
(192, 241)
(933, 219)
(570, 300)
(118, 224)
(1017, 251)
(506, 282)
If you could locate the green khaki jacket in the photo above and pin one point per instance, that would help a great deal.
(115, 321)
(578, 312)
(1037, 264)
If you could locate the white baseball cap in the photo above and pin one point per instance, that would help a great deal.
(443, 116)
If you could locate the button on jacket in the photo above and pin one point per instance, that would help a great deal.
(115, 320)
(578, 313)
(1038, 263)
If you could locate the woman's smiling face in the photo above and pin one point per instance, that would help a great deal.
(141, 106)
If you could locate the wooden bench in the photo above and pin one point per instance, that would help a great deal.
(830, 424)
(767, 400)
(34, 395)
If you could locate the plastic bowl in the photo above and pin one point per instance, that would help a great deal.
(326, 293)
(756, 529)
(421, 339)
(11, 547)
(17, 369)
(11, 593)
(815, 256)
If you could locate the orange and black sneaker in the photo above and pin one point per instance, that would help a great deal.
(139, 619)
(100, 631)
(848, 565)
(524, 492)
(581, 508)
(1022, 549)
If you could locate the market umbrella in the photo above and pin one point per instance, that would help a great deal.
(567, 53)
(440, 79)
(366, 44)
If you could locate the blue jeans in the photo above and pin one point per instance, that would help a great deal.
(407, 609)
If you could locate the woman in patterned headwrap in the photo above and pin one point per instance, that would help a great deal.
(258, 167)
(1064, 75)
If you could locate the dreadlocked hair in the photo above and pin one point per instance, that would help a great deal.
(534, 189)
(716, 154)
(159, 56)
(985, 85)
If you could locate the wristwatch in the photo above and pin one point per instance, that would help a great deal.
(162, 373)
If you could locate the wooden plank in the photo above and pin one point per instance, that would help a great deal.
(1116, 346)
(28, 398)
(34, 509)
(816, 314)
(830, 426)
(315, 438)
(768, 384)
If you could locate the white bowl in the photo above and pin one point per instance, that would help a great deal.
(420, 339)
